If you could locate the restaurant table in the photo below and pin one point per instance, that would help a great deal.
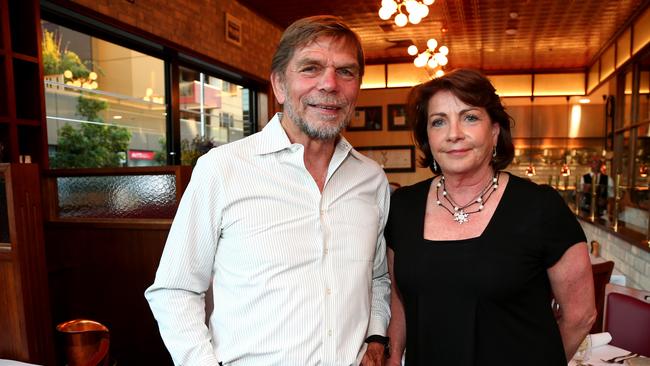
(14, 363)
(602, 353)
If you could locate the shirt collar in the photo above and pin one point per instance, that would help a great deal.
(273, 138)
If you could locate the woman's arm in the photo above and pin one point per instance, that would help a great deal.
(573, 286)
(397, 326)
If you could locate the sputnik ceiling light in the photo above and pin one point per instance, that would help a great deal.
(416, 9)
(433, 57)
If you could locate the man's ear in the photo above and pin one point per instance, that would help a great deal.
(278, 87)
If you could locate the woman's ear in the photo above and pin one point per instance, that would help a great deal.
(496, 129)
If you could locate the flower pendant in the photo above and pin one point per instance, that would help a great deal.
(461, 217)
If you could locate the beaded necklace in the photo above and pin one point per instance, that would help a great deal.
(459, 212)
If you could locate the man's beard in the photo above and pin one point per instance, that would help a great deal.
(322, 132)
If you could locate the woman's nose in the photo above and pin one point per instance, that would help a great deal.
(455, 131)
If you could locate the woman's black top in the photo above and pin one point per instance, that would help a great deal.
(484, 300)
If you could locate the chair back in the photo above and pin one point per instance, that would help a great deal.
(601, 273)
(627, 318)
(86, 341)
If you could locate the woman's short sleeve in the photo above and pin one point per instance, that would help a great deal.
(560, 228)
(392, 226)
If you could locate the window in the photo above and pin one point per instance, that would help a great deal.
(105, 103)
(213, 112)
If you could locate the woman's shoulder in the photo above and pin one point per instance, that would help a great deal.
(540, 194)
(416, 189)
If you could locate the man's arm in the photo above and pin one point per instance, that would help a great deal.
(177, 295)
(380, 308)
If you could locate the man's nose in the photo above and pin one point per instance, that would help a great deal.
(328, 81)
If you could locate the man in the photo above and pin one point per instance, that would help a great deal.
(604, 188)
(286, 225)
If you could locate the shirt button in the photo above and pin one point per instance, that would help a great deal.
(326, 251)
(329, 291)
(329, 332)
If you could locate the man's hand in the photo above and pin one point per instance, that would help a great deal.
(374, 355)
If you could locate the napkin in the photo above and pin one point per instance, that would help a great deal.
(642, 361)
(600, 339)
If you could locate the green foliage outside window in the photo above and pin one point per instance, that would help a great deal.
(191, 151)
(94, 144)
(56, 61)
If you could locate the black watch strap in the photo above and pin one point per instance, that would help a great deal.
(376, 338)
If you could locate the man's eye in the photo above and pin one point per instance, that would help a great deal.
(310, 69)
(347, 73)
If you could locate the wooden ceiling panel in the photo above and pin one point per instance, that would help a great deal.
(545, 34)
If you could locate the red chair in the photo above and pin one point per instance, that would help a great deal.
(601, 273)
(627, 318)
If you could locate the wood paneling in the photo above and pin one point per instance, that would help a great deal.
(100, 272)
(25, 317)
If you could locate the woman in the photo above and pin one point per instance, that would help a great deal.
(476, 254)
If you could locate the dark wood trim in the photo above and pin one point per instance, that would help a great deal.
(153, 170)
(139, 224)
(632, 237)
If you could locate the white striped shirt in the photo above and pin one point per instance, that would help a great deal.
(299, 277)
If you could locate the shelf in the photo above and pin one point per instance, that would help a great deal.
(27, 85)
(30, 142)
(28, 122)
(22, 18)
(28, 58)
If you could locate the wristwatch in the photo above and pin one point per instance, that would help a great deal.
(385, 341)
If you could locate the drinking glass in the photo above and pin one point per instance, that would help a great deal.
(583, 352)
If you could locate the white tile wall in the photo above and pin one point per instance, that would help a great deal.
(629, 260)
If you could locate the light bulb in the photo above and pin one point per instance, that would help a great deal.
(444, 50)
(412, 50)
(67, 74)
(439, 73)
(385, 13)
(92, 75)
(432, 63)
(423, 10)
(420, 61)
(442, 60)
(414, 18)
(428, 2)
(401, 20)
(388, 4)
(432, 44)
(411, 6)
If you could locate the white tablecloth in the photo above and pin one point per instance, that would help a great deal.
(603, 353)
(14, 363)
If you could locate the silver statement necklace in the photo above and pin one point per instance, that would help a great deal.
(461, 213)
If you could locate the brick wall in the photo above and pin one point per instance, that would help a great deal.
(629, 260)
(199, 26)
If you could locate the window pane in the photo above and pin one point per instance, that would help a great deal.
(213, 112)
(105, 103)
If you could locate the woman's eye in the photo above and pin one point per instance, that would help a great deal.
(471, 118)
(437, 122)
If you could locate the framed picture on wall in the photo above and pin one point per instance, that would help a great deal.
(394, 159)
(397, 117)
(366, 119)
(233, 30)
